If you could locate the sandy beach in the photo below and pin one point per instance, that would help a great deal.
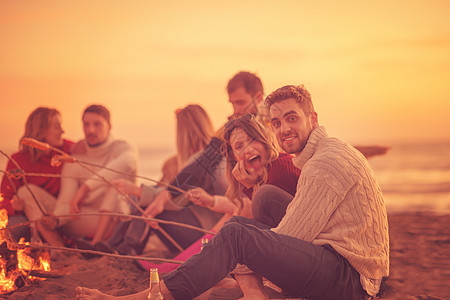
(420, 267)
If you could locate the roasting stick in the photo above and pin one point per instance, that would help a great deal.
(68, 158)
(13, 245)
(116, 215)
(25, 182)
(64, 157)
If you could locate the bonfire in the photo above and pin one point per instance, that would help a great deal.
(19, 265)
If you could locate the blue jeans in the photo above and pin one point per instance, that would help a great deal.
(298, 267)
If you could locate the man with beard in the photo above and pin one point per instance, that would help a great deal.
(333, 241)
(84, 192)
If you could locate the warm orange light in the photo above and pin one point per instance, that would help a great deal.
(6, 283)
(25, 262)
(44, 262)
(3, 218)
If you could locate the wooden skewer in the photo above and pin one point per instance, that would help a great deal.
(15, 245)
(25, 183)
(65, 157)
(114, 215)
(44, 146)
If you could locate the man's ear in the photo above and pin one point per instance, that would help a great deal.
(314, 119)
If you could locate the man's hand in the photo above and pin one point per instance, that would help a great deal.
(200, 197)
(247, 176)
(127, 187)
(17, 203)
(157, 207)
(78, 199)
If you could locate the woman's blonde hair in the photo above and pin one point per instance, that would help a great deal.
(194, 132)
(36, 127)
(257, 132)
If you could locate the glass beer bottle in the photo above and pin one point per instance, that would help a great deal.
(155, 289)
(204, 242)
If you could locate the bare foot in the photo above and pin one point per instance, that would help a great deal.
(86, 293)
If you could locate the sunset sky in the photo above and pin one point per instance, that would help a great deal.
(378, 71)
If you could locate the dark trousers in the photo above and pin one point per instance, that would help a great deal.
(298, 267)
(269, 204)
(132, 236)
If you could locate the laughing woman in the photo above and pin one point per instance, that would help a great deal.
(252, 163)
(252, 160)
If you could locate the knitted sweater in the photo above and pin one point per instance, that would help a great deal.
(339, 202)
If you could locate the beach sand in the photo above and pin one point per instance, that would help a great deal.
(420, 267)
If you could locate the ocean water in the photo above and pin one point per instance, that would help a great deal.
(413, 177)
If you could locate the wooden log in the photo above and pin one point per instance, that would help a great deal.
(46, 274)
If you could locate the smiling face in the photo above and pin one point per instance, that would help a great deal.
(249, 150)
(53, 135)
(291, 125)
(96, 129)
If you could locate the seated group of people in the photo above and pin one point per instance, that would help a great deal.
(308, 213)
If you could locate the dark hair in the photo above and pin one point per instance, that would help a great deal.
(298, 92)
(100, 110)
(249, 81)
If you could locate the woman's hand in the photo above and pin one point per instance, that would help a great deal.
(127, 187)
(248, 177)
(157, 207)
(17, 203)
(199, 197)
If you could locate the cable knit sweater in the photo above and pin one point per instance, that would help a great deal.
(339, 202)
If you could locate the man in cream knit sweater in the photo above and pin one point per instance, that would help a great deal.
(332, 243)
(84, 192)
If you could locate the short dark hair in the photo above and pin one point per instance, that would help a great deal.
(249, 81)
(298, 92)
(98, 109)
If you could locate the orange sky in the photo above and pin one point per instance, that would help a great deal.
(378, 71)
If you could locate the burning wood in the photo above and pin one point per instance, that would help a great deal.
(20, 265)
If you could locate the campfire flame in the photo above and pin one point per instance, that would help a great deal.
(6, 283)
(25, 262)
